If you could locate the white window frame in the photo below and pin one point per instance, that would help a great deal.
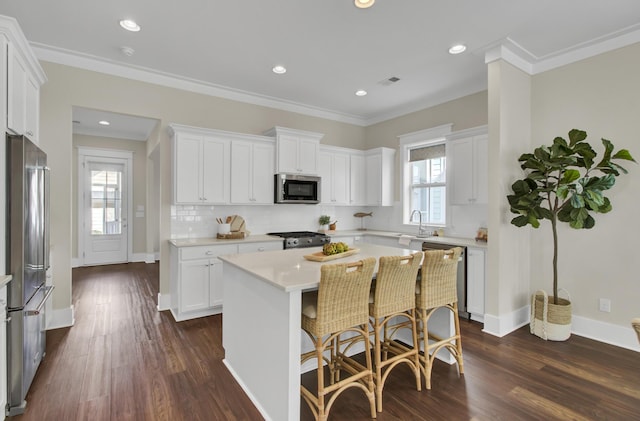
(432, 136)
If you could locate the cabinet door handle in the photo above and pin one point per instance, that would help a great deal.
(260, 248)
(209, 253)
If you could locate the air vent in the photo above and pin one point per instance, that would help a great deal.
(389, 81)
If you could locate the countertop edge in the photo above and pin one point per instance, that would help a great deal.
(5, 279)
(467, 242)
(195, 242)
(271, 282)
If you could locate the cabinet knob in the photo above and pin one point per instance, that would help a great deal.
(260, 248)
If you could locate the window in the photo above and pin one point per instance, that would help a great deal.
(427, 188)
(424, 183)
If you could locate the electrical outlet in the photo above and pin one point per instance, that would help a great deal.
(605, 305)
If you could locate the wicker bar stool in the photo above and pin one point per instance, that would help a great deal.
(437, 289)
(636, 325)
(392, 308)
(340, 305)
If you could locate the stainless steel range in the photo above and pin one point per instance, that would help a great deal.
(300, 239)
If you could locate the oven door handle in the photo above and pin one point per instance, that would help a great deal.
(38, 310)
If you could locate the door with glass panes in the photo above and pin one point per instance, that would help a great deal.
(105, 207)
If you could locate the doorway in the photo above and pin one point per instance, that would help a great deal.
(104, 206)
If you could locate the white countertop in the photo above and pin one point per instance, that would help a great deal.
(4, 280)
(190, 242)
(260, 238)
(456, 241)
(289, 270)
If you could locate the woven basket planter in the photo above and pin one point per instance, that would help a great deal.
(550, 321)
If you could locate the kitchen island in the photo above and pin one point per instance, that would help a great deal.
(261, 331)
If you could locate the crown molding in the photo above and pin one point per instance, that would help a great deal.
(11, 29)
(143, 74)
(513, 53)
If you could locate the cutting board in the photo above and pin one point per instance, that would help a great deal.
(320, 257)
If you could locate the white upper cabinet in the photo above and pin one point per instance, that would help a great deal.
(22, 76)
(201, 166)
(16, 91)
(335, 175)
(379, 170)
(468, 167)
(296, 150)
(358, 178)
(252, 171)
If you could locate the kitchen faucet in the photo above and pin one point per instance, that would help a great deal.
(421, 231)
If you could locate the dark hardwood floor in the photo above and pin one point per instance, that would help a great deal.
(123, 360)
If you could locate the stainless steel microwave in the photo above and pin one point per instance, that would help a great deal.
(295, 188)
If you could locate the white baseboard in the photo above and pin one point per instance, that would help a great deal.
(616, 335)
(63, 317)
(503, 325)
(76, 262)
(622, 336)
(247, 391)
(164, 302)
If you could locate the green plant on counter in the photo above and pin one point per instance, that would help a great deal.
(560, 185)
(324, 219)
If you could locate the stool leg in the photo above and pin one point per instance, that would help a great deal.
(456, 321)
(377, 351)
(416, 346)
(425, 339)
(321, 393)
(371, 386)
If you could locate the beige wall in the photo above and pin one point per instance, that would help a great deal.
(67, 87)
(463, 113)
(600, 95)
(139, 172)
(507, 281)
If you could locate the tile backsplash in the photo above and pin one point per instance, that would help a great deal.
(200, 221)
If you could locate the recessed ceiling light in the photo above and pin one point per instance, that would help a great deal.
(457, 49)
(364, 4)
(103, 123)
(130, 25)
(279, 70)
(361, 92)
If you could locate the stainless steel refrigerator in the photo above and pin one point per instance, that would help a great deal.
(27, 260)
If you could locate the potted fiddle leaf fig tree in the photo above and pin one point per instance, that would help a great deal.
(563, 183)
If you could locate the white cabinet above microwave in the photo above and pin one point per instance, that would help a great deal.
(296, 150)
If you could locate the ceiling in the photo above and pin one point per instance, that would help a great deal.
(329, 47)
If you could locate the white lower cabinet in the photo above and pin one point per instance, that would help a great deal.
(196, 277)
(475, 282)
(197, 281)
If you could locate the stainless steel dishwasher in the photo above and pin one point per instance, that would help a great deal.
(462, 273)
